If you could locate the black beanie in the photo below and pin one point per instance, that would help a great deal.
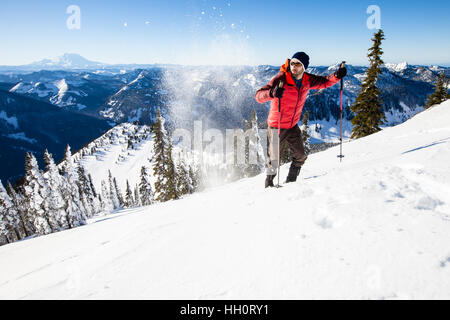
(303, 57)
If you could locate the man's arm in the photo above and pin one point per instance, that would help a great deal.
(263, 95)
(319, 82)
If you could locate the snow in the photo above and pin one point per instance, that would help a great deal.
(10, 120)
(81, 106)
(21, 87)
(360, 76)
(122, 170)
(376, 226)
(21, 136)
(394, 118)
(62, 86)
(329, 131)
(397, 67)
(38, 88)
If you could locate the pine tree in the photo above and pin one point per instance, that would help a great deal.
(129, 200)
(96, 202)
(84, 190)
(73, 204)
(368, 106)
(137, 197)
(305, 134)
(118, 193)
(4, 227)
(145, 189)
(114, 198)
(92, 185)
(26, 227)
(105, 199)
(55, 183)
(9, 219)
(183, 181)
(194, 179)
(87, 192)
(170, 175)
(163, 166)
(197, 177)
(440, 93)
(35, 193)
(159, 156)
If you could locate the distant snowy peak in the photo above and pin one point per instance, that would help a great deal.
(397, 67)
(38, 88)
(60, 92)
(67, 61)
(334, 67)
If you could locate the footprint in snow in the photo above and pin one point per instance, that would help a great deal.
(325, 223)
(428, 203)
(445, 263)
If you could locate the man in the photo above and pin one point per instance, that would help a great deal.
(290, 87)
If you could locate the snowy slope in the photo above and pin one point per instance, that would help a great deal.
(376, 226)
(112, 153)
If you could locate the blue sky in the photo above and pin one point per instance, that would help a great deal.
(223, 32)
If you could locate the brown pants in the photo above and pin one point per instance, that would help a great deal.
(293, 137)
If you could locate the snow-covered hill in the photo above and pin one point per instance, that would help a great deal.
(123, 150)
(376, 226)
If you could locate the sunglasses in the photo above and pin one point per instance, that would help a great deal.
(296, 64)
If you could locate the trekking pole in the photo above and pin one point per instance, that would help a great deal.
(342, 93)
(280, 85)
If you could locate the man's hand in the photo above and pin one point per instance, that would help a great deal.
(341, 72)
(277, 92)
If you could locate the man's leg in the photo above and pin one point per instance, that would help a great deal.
(295, 141)
(273, 145)
(272, 151)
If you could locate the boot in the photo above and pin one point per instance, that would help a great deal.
(293, 173)
(269, 181)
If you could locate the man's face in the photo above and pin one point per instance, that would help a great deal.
(296, 67)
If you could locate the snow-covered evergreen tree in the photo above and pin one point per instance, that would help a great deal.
(55, 182)
(96, 202)
(73, 204)
(368, 106)
(159, 158)
(4, 227)
(440, 93)
(129, 198)
(106, 204)
(197, 177)
(9, 219)
(35, 193)
(86, 194)
(113, 191)
(137, 197)
(118, 193)
(170, 185)
(146, 196)
(184, 180)
(26, 227)
(94, 192)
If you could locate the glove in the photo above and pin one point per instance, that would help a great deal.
(277, 92)
(341, 72)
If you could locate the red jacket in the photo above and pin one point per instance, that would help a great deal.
(293, 98)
